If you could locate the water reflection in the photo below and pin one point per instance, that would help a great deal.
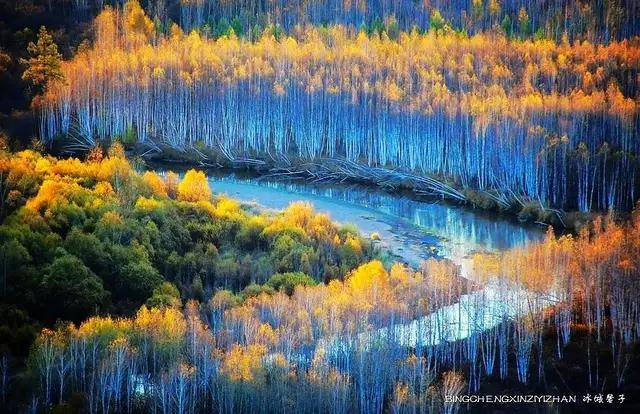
(454, 229)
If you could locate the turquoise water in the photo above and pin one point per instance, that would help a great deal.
(412, 229)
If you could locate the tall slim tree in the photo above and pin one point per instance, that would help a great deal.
(44, 63)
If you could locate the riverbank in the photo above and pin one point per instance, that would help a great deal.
(413, 229)
(424, 188)
(168, 211)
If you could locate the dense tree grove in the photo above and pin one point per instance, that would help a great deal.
(594, 20)
(241, 311)
(366, 344)
(94, 237)
(234, 316)
(126, 290)
(518, 119)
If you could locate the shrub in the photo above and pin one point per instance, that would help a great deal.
(165, 295)
(72, 288)
(194, 187)
(288, 281)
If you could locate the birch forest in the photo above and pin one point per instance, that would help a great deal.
(319, 206)
(350, 332)
(517, 119)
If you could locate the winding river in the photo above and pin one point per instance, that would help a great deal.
(410, 229)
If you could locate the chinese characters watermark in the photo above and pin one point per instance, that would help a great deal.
(536, 399)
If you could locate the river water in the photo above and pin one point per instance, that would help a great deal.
(410, 229)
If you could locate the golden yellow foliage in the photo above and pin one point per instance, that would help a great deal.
(166, 326)
(354, 243)
(244, 363)
(227, 208)
(103, 189)
(194, 187)
(367, 277)
(137, 23)
(146, 205)
(156, 184)
(266, 335)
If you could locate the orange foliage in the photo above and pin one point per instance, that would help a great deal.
(171, 182)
